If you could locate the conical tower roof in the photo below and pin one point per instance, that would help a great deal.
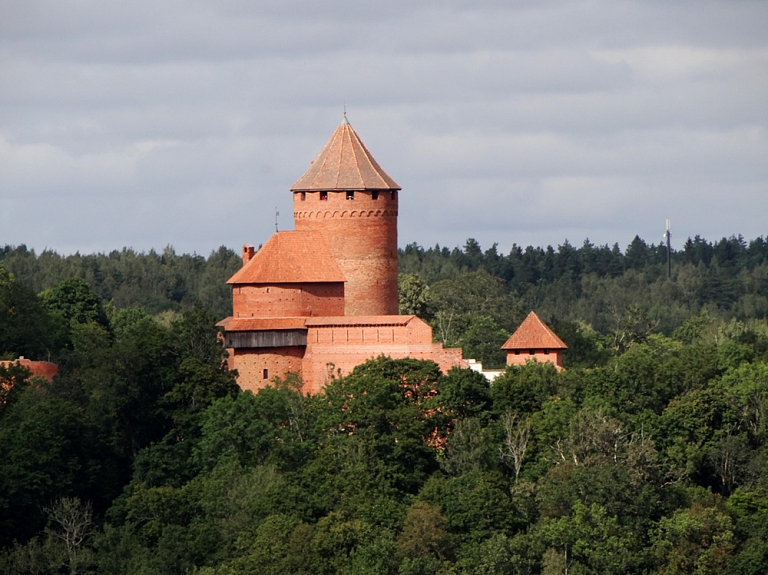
(534, 334)
(344, 164)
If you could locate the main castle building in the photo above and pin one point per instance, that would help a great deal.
(322, 299)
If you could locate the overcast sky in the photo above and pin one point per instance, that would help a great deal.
(148, 123)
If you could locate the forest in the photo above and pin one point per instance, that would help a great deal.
(646, 455)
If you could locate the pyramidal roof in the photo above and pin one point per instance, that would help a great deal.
(344, 164)
(534, 334)
(291, 257)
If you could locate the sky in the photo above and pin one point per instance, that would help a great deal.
(145, 124)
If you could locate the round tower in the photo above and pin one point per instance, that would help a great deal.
(352, 202)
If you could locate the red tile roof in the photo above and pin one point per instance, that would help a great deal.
(534, 334)
(344, 164)
(291, 257)
(262, 323)
(359, 320)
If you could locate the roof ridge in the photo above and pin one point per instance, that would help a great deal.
(326, 157)
(354, 152)
(338, 167)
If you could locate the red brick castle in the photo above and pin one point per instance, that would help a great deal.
(322, 299)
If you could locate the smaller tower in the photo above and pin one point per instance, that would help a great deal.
(534, 340)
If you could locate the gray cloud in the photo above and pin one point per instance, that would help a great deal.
(145, 123)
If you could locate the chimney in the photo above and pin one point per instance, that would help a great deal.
(248, 251)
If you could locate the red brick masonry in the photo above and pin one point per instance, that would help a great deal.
(45, 369)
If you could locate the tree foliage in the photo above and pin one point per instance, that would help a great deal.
(646, 455)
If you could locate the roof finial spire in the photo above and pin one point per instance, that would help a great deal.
(344, 120)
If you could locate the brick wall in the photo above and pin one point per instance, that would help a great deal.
(251, 363)
(42, 368)
(314, 362)
(287, 300)
(554, 356)
(362, 235)
(348, 346)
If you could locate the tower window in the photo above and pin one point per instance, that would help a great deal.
(531, 352)
(393, 194)
(323, 196)
(350, 195)
(546, 352)
(266, 373)
(375, 195)
(303, 196)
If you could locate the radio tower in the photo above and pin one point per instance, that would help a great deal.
(667, 236)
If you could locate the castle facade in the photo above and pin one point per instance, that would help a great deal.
(322, 299)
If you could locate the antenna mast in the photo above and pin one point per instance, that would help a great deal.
(276, 215)
(667, 236)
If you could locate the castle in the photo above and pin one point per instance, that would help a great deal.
(322, 299)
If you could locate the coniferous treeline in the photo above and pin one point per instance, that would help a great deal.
(155, 281)
(727, 277)
(532, 264)
(475, 298)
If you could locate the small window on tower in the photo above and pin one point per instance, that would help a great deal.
(350, 195)
(323, 196)
(546, 352)
(303, 196)
(393, 194)
(375, 195)
(266, 374)
(517, 352)
(531, 352)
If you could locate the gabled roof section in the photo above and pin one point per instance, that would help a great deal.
(534, 334)
(344, 164)
(291, 257)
